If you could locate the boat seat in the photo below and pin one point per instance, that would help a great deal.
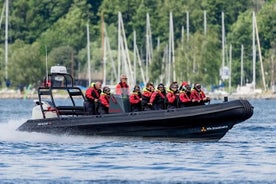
(71, 110)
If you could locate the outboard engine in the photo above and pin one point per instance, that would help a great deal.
(49, 110)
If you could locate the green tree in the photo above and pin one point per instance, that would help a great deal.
(70, 29)
(25, 68)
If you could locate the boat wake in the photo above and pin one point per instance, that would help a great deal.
(8, 133)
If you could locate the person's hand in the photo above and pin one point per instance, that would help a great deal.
(149, 103)
(96, 100)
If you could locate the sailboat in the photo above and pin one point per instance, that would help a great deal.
(249, 89)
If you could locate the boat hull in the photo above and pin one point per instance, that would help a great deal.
(209, 122)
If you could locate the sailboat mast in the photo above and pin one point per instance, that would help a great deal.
(134, 56)
(119, 48)
(187, 25)
(46, 64)
(230, 67)
(259, 50)
(223, 39)
(205, 22)
(88, 56)
(254, 51)
(242, 65)
(6, 40)
(170, 51)
(103, 50)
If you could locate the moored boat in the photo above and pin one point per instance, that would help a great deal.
(205, 122)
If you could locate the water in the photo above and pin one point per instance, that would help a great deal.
(247, 154)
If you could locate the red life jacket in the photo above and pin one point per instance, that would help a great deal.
(122, 88)
(135, 97)
(104, 98)
(92, 93)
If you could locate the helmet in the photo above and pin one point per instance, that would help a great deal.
(160, 86)
(106, 90)
(197, 86)
(136, 88)
(174, 85)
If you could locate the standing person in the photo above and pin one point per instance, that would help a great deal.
(172, 96)
(135, 99)
(198, 96)
(122, 87)
(92, 95)
(157, 99)
(147, 92)
(104, 101)
(185, 95)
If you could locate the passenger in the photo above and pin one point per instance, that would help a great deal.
(104, 101)
(92, 95)
(198, 96)
(135, 99)
(185, 95)
(122, 87)
(172, 96)
(147, 92)
(158, 98)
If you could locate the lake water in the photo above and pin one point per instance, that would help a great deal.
(247, 154)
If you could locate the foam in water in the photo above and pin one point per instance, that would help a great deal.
(9, 133)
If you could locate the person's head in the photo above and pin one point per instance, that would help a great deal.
(185, 86)
(106, 90)
(161, 87)
(123, 78)
(136, 88)
(150, 86)
(98, 85)
(174, 86)
(197, 86)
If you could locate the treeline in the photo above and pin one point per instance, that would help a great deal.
(58, 29)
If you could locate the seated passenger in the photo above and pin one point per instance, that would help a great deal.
(157, 99)
(172, 96)
(198, 96)
(135, 99)
(185, 95)
(92, 96)
(147, 92)
(104, 101)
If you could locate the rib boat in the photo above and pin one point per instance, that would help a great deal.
(204, 122)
